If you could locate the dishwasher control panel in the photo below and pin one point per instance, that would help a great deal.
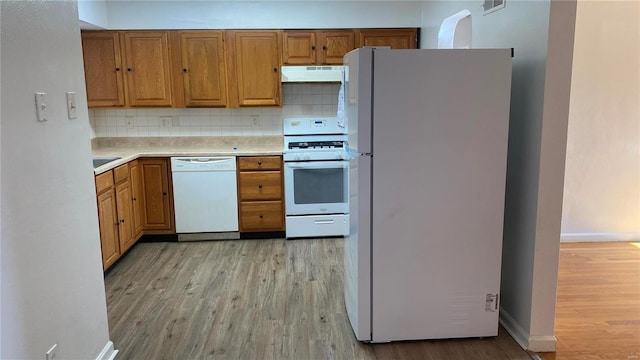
(203, 163)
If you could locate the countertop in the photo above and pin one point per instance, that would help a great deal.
(131, 148)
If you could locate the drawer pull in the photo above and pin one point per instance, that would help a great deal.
(324, 221)
(259, 162)
(260, 186)
(261, 216)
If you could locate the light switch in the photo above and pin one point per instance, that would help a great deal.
(41, 106)
(71, 105)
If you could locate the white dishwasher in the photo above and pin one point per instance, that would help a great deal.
(205, 197)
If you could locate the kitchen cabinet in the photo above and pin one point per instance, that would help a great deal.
(103, 68)
(147, 63)
(156, 196)
(395, 38)
(124, 208)
(136, 197)
(254, 67)
(203, 68)
(260, 195)
(319, 47)
(108, 219)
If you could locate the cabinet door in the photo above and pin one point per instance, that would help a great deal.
(203, 68)
(257, 67)
(261, 216)
(124, 212)
(395, 38)
(147, 68)
(108, 227)
(102, 69)
(334, 45)
(136, 198)
(155, 189)
(260, 185)
(298, 47)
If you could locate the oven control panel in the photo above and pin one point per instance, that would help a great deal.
(312, 126)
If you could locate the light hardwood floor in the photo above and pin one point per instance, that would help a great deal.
(253, 299)
(598, 305)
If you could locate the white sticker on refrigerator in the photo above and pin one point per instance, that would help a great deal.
(491, 303)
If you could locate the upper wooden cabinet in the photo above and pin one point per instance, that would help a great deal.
(254, 67)
(395, 38)
(147, 64)
(321, 47)
(203, 68)
(103, 69)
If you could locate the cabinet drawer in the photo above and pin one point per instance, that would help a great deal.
(121, 173)
(259, 163)
(260, 185)
(104, 181)
(261, 216)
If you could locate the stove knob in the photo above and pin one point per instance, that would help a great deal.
(307, 157)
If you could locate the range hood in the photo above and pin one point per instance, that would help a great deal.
(303, 74)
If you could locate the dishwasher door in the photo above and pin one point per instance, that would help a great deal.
(205, 195)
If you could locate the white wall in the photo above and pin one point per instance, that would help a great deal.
(51, 272)
(92, 14)
(602, 182)
(534, 176)
(261, 14)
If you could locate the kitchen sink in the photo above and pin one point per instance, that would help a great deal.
(99, 161)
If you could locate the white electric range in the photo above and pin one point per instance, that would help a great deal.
(316, 177)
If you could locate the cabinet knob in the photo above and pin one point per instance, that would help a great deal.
(275, 69)
(313, 47)
(261, 216)
(133, 198)
(164, 193)
(122, 221)
(117, 69)
(324, 47)
(184, 70)
(259, 186)
(117, 223)
(128, 69)
(259, 162)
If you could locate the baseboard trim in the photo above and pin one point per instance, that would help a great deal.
(600, 236)
(538, 343)
(108, 352)
(542, 343)
(520, 335)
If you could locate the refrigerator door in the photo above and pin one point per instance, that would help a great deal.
(358, 97)
(440, 120)
(357, 249)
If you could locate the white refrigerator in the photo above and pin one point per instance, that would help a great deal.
(428, 142)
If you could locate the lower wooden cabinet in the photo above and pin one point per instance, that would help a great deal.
(115, 214)
(260, 194)
(108, 220)
(132, 199)
(157, 201)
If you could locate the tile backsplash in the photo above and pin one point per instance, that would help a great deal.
(298, 100)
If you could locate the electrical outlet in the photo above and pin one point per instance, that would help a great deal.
(165, 121)
(255, 120)
(52, 354)
(129, 121)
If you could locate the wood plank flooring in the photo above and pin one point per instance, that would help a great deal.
(253, 299)
(598, 305)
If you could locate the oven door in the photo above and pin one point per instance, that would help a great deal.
(316, 187)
